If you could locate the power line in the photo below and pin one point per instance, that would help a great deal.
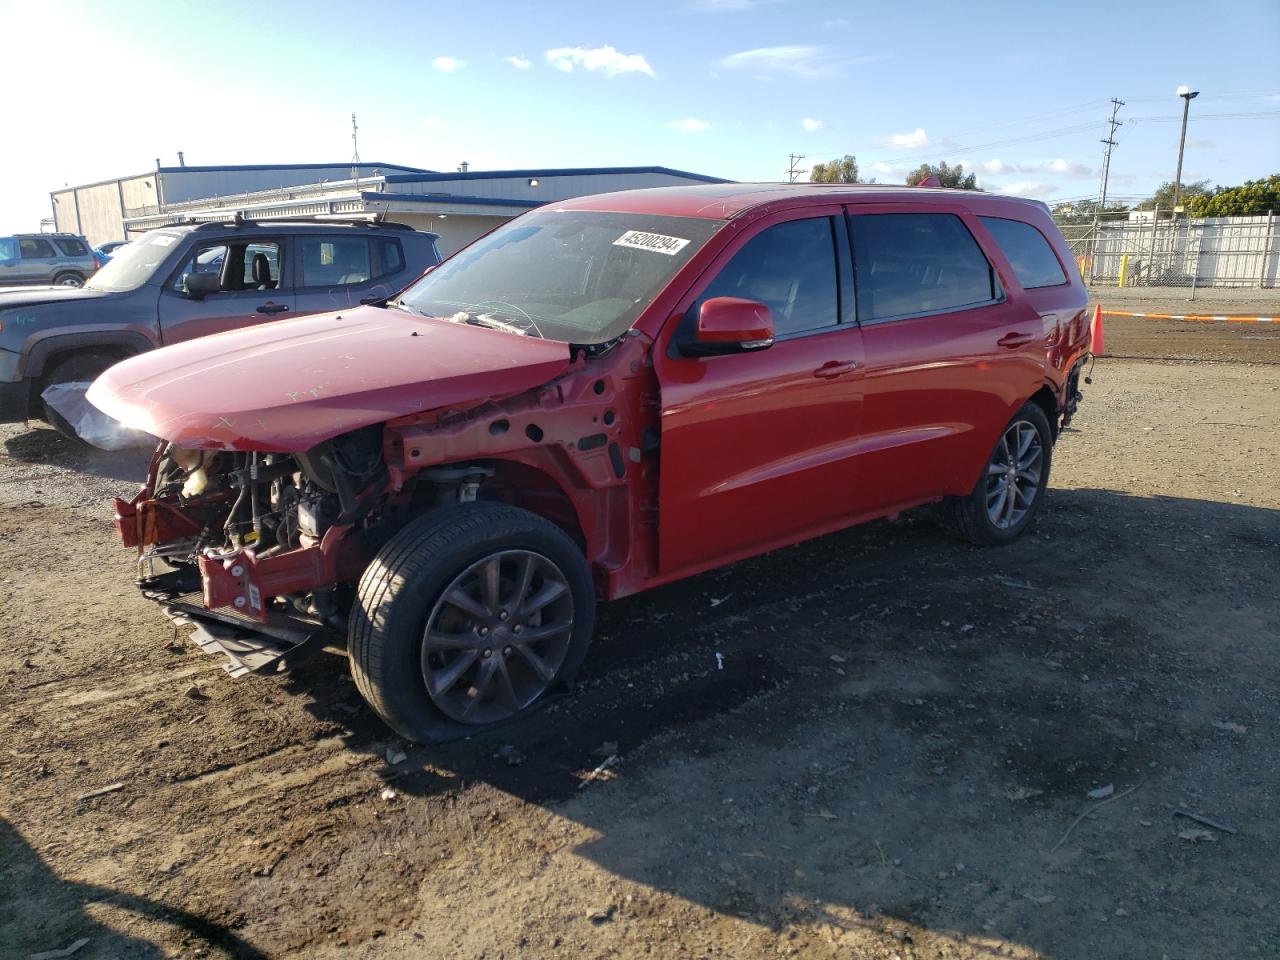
(1110, 142)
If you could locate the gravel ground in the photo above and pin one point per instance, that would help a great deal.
(874, 745)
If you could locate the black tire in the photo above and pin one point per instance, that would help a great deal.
(74, 369)
(970, 517)
(403, 589)
(69, 279)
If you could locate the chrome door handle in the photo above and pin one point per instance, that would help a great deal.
(835, 368)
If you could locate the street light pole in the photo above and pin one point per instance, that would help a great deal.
(1187, 95)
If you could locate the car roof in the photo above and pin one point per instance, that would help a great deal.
(282, 225)
(725, 201)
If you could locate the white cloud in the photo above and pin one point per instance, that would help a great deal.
(1060, 166)
(1028, 188)
(520, 63)
(448, 64)
(917, 139)
(836, 23)
(811, 125)
(435, 123)
(690, 125)
(605, 59)
(797, 61)
(895, 170)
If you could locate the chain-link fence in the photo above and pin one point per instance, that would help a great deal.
(1159, 252)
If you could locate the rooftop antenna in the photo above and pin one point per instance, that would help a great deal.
(355, 151)
(793, 173)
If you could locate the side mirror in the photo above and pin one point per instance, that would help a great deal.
(730, 325)
(200, 285)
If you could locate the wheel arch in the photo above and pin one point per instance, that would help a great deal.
(49, 351)
(1046, 398)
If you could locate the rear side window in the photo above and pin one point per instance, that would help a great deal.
(911, 263)
(1027, 251)
(72, 246)
(35, 249)
(791, 268)
(335, 261)
(391, 257)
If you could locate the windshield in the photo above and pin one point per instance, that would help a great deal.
(579, 276)
(133, 264)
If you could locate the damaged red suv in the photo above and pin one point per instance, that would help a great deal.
(598, 397)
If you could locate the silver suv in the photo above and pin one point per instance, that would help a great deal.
(45, 259)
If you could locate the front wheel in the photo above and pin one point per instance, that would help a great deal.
(1007, 495)
(468, 618)
(68, 280)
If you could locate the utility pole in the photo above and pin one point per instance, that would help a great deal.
(355, 151)
(1187, 95)
(793, 174)
(1110, 143)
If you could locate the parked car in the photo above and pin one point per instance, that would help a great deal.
(104, 251)
(45, 259)
(600, 396)
(187, 281)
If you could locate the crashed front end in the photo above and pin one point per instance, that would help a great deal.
(258, 551)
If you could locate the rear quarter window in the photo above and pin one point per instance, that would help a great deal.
(72, 246)
(1028, 252)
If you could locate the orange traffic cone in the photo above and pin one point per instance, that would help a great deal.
(1095, 332)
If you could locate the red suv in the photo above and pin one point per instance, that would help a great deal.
(598, 397)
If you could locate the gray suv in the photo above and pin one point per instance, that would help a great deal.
(45, 259)
(192, 280)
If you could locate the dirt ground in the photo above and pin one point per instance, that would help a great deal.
(875, 745)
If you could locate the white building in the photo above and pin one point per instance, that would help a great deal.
(458, 206)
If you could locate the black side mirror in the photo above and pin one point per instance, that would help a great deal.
(200, 285)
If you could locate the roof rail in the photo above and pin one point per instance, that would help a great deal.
(239, 220)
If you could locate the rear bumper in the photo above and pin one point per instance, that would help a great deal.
(15, 401)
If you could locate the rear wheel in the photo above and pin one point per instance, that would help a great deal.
(68, 280)
(1007, 495)
(468, 618)
(78, 368)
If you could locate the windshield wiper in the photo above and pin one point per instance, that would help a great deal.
(401, 305)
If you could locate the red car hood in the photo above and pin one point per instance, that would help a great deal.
(287, 386)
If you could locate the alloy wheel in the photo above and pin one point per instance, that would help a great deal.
(497, 636)
(1014, 474)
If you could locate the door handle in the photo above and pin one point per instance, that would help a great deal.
(834, 368)
(1014, 340)
(269, 308)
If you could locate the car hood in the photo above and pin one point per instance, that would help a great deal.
(289, 385)
(38, 296)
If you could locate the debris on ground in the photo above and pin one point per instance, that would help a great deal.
(1101, 793)
(395, 756)
(1230, 727)
(598, 771)
(510, 755)
(101, 791)
(1206, 821)
(606, 749)
(1196, 836)
(59, 954)
(1022, 793)
(388, 793)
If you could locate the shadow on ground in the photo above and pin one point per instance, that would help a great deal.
(898, 729)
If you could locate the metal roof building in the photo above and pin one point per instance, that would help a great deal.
(458, 206)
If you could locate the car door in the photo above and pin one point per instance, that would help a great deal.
(10, 264)
(338, 271)
(757, 448)
(255, 287)
(36, 262)
(948, 352)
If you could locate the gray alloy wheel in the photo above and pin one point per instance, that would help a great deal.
(69, 280)
(497, 636)
(1014, 474)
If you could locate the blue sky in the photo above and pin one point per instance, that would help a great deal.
(1017, 91)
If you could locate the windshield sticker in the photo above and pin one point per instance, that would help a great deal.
(656, 242)
(163, 240)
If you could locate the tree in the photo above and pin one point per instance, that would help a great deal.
(1253, 198)
(949, 176)
(843, 170)
(1163, 197)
